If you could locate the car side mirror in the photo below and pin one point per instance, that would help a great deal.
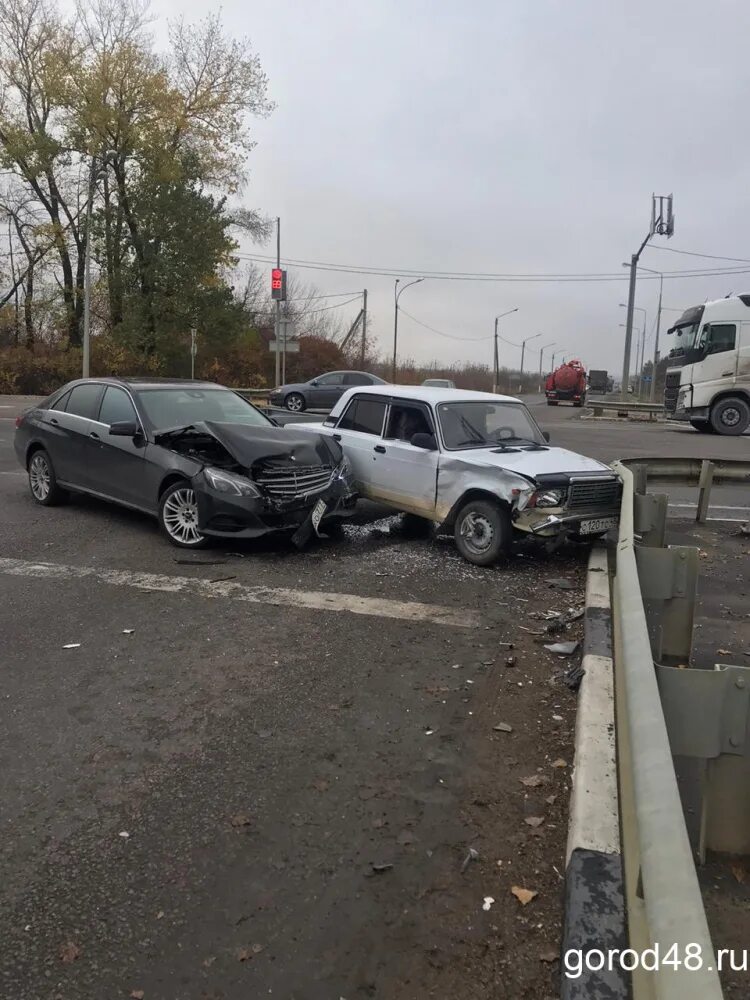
(124, 428)
(422, 440)
(545, 435)
(314, 382)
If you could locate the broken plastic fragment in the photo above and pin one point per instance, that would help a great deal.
(487, 904)
(72, 645)
(563, 648)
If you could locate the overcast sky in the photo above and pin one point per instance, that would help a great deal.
(509, 136)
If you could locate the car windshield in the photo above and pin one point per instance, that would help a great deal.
(487, 425)
(179, 406)
(686, 337)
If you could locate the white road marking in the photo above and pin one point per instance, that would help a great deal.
(318, 600)
(13, 473)
(717, 506)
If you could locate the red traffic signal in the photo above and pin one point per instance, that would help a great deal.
(278, 284)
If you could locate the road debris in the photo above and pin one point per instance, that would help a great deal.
(69, 952)
(379, 867)
(549, 957)
(573, 676)
(534, 780)
(472, 855)
(72, 645)
(137, 994)
(487, 904)
(124, 834)
(511, 661)
(503, 727)
(559, 762)
(562, 648)
(534, 821)
(240, 820)
(524, 896)
(559, 583)
(128, 631)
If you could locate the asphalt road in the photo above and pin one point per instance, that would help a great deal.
(201, 799)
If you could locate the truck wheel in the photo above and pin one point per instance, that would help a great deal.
(482, 532)
(703, 426)
(730, 416)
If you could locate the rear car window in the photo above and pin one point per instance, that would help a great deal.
(116, 406)
(364, 415)
(354, 378)
(84, 401)
(62, 402)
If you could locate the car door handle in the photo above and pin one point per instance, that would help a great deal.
(52, 420)
(380, 449)
(336, 437)
(726, 374)
(94, 435)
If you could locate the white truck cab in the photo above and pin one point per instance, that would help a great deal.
(711, 388)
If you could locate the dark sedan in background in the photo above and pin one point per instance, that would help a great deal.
(321, 392)
(197, 456)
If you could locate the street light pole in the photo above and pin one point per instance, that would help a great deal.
(650, 270)
(523, 352)
(541, 359)
(496, 363)
(623, 305)
(397, 293)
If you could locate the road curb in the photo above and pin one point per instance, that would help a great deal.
(594, 918)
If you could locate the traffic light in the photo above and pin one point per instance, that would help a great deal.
(278, 284)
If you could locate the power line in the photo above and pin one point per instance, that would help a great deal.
(519, 278)
(694, 253)
(441, 333)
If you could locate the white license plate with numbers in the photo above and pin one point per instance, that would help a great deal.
(317, 513)
(593, 525)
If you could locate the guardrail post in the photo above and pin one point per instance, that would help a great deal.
(668, 580)
(640, 476)
(704, 485)
(725, 818)
(650, 518)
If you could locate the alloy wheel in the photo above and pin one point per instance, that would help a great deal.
(180, 516)
(39, 477)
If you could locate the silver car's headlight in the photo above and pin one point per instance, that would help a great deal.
(550, 498)
(225, 482)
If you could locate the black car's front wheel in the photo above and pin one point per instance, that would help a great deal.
(43, 482)
(482, 532)
(295, 402)
(178, 517)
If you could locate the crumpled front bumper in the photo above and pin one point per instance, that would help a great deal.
(221, 515)
(555, 521)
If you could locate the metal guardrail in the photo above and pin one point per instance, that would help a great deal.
(702, 473)
(624, 406)
(664, 903)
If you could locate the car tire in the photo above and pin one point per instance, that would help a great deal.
(482, 532)
(178, 516)
(295, 402)
(43, 482)
(730, 415)
(703, 426)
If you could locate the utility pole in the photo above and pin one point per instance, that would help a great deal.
(193, 351)
(364, 330)
(662, 223)
(85, 368)
(496, 361)
(652, 394)
(397, 293)
(278, 303)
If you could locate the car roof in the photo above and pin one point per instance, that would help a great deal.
(147, 382)
(430, 394)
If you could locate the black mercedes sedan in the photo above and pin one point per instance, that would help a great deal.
(195, 455)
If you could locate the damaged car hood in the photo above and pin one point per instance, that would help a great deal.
(248, 444)
(532, 462)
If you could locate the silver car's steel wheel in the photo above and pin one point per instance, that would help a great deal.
(294, 402)
(477, 532)
(40, 479)
(180, 517)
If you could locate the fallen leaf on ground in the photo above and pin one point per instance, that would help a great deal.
(137, 994)
(549, 956)
(524, 896)
(723, 652)
(378, 822)
(550, 800)
(503, 727)
(321, 785)
(69, 952)
(739, 871)
(533, 781)
(534, 820)
(243, 954)
(240, 819)
(208, 962)
(559, 762)
(160, 914)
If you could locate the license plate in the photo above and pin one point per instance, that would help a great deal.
(317, 514)
(596, 524)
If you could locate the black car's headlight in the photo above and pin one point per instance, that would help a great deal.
(344, 469)
(225, 482)
(549, 498)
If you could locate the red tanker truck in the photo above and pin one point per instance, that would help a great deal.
(568, 382)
